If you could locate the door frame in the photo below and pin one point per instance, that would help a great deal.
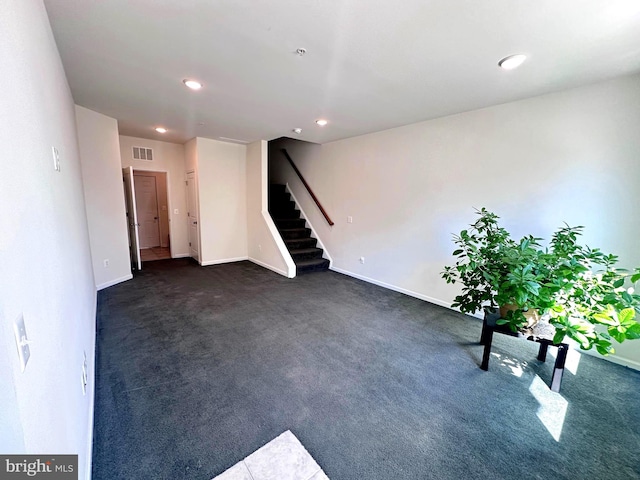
(169, 205)
(157, 212)
(197, 205)
(132, 217)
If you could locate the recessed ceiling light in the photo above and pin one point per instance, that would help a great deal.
(297, 130)
(321, 122)
(192, 84)
(161, 130)
(512, 61)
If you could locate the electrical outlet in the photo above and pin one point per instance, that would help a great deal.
(106, 263)
(176, 211)
(22, 342)
(259, 247)
(349, 219)
(361, 259)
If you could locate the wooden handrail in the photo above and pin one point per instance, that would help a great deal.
(304, 182)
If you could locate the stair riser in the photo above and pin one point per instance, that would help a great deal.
(277, 188)
(290, 223)
(291, 214)
(306, 256)
(302, 233)
(279, 197)
(278, 212)
(282, 206)
(315, 268)
(301, 243)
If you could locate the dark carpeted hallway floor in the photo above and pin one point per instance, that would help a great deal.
(197, 367)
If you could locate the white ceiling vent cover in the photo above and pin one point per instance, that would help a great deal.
(142, 153)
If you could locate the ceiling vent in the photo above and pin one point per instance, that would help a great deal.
(142, 153)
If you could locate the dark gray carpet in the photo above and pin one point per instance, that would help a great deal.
(198, 367)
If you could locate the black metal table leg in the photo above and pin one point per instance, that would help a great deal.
(483, 335)
(542, 352)
(487, 334)
(558, 368)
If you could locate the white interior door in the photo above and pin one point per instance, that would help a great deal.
(192, 216)
(146, 194)
(132, 217)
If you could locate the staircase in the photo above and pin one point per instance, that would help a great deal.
(297, 238)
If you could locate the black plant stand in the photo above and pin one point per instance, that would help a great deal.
(489, 327)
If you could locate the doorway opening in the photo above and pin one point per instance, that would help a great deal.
(147, 200)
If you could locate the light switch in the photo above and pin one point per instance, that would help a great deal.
(176, 211)
(84, 376)
(56, 159)
(21, 341)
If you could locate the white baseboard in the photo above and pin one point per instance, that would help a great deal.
(91, 391)
(269, 267)
(625, 362)
(394, 288)
(611, 358)
(92, 397)
(223, 260)
(110, 283)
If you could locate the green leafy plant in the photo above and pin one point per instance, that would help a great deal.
(495, 270)
(584, 295)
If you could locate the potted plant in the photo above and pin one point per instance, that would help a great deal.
(495, 270)
(579, 289)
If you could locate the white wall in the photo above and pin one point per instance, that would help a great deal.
(169, 158)
(222, 178)
(191, 155)
(104, 196)
(45, 257)
(191, 165)
(265, 245)
(570, 156)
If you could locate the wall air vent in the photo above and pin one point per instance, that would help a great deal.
(142, 153)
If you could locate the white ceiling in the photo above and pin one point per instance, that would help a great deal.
(370, 64)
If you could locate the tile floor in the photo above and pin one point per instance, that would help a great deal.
(283, 458)
(154, 253)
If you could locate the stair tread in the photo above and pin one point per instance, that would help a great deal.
(301, 251)
(287, 214)
(299, 229)
(314, 261)
(297, 239)
(300, 240)
(299, 220)
(284, 220)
